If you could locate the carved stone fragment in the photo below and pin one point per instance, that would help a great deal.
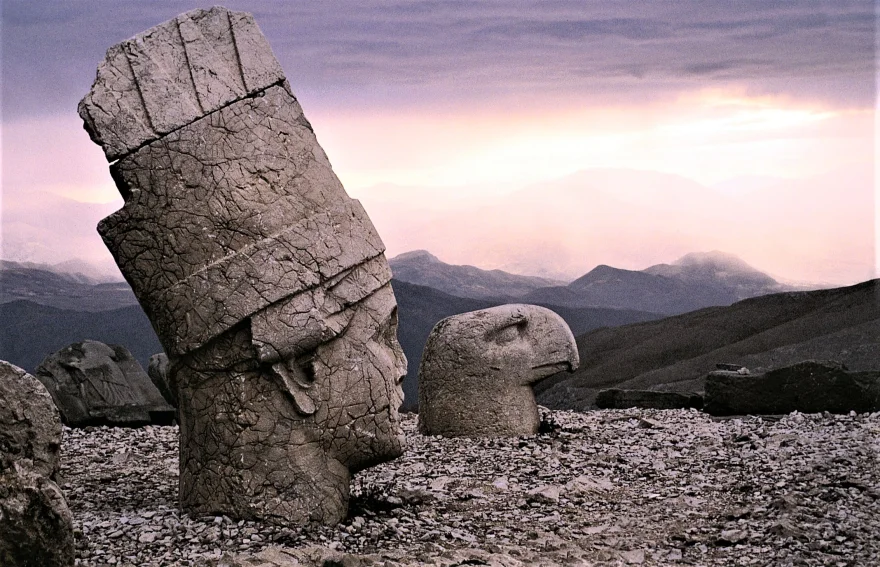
(157, 370)
(477, 370)
(97, 384)
(265, 282)
(36, 527)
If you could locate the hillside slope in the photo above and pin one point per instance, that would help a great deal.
(676, 353)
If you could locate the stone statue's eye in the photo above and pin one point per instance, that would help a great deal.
(507, 334)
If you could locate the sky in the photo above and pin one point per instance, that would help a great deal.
(444, 117)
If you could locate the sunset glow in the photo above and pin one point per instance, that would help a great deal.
(440, 118)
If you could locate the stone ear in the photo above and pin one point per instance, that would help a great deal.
(298, 379)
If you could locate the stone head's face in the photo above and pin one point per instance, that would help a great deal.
(342, 367)
(360, 375)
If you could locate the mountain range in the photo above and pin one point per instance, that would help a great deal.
(694, 281)
(619, 317)
(423, 268)
(42, 311)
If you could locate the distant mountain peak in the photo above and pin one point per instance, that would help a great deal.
(715, 258)
(422, 255)
(420, 267)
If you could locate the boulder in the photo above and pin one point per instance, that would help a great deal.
(808, 387)
(477, 370)
(36, 527)
(157, 370)
(97, 384)
(266, 283)
(622, 399)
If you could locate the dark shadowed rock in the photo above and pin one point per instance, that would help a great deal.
(36, 528)
(158, 373)
(622, 399)
(477, 370)
(97, 384)
(808, 387)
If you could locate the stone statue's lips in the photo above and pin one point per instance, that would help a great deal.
(554, 367)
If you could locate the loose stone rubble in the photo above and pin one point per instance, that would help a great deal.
(36, 528)
(267, 285)
(97, 384)
(478, 368)
(613, 487)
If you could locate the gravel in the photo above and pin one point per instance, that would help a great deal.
(622, 487)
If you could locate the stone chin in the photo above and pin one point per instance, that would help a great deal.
(478, 368)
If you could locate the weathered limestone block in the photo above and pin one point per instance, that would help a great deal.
(621, 399)
(267, 285)
(97, 384)
(477, 370)
(36, 528)
(808, 387)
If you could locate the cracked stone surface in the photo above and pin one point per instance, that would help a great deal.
(605, 488)
(36, 527)
(267, 285)
(93, 383)
(477, 370)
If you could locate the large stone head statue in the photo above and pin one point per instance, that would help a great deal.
(478, 368)
(265, 282)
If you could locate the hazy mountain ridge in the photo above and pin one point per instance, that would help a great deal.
(420, 267)
(692, 282)
(797, 228)
(676, 353)
(30, 332)
(56, 287)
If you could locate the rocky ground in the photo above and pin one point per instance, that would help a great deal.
(611, 487)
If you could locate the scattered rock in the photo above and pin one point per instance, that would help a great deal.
(738, 368)
(544, 494)
(477, 370)
(36, 527)
(669, 492)
(633, 557)
(97, 384)
(623, 399)
(810, 387)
